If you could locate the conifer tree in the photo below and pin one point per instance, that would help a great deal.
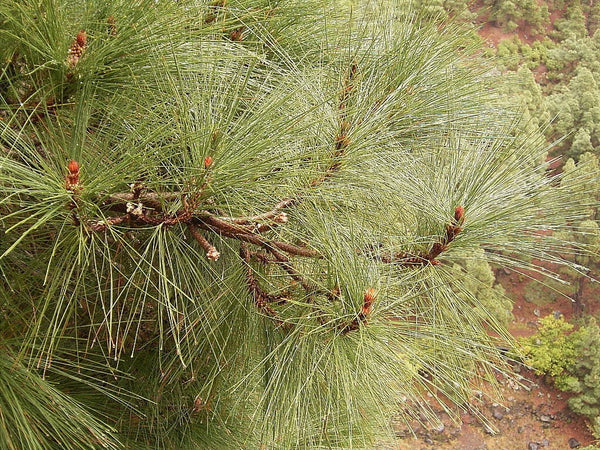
(232, 224)
(582, 180)
(587, 372)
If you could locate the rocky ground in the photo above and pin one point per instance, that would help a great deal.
(531, 416)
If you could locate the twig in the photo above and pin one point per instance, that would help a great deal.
(260, 297)
(283, 261)
(211, 252)
(407, 260)
(103, 225)
(244, 234)
(152, 200)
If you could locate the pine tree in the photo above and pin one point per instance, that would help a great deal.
(232, 224)
(587, 370)
(582, 180)
(577, 111)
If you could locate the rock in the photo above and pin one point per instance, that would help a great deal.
(545, 418)
(440, 428)
(545, 442)
(497, 414)
(533, 446)
(557, 314)
(429, 441)
(574, 443)
(489, 430)
(520, 429)
(537, 312)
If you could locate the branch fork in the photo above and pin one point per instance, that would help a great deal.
(453, 229)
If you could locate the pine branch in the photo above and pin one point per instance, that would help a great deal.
(260, 297)
(341, 143)
(406, 260)
(211, 252)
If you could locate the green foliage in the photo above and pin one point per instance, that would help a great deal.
(508, 13)
(581, 180)
(571, 53)
(587, 369)
(551, 351)
(573, 24)
(512, 53)
(577, 111)
(478, 284)
(522, 89)
(239, 224)
(35, 414)
(573, 359)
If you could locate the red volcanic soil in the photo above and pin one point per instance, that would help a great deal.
(533, 413)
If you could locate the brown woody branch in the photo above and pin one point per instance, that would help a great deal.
(341, 141)
(103, 225)
(152, 200)
(144, 208)
(244, 234)
(260, 297)
(284, 262)
(429, 257)
(211, 252)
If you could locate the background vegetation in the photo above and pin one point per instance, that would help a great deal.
(250, 223)
(552, 53)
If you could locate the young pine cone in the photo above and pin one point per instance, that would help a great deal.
(77, 48)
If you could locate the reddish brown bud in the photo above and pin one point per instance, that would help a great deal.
(72, 178)
(73, 167)
(208, 162)
(459, 214)
(76, 49)
(368, 299)
(82, 38)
